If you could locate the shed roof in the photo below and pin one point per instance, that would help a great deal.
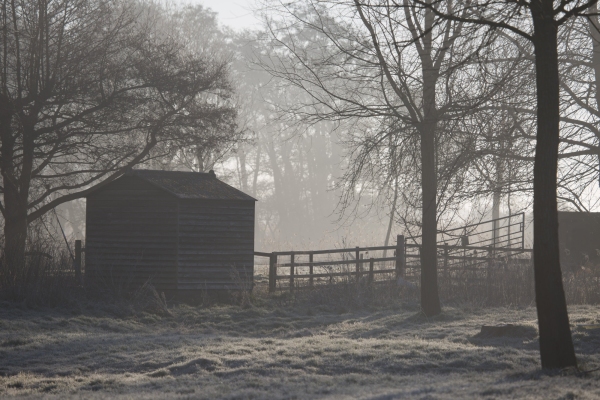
(190, 185)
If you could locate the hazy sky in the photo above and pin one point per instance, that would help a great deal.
(236, 14)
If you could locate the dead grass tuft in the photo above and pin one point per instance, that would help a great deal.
(45, 278)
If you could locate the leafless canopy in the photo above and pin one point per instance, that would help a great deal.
(90, 88)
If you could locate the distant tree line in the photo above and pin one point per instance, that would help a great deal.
(478, 88)
(404, 111)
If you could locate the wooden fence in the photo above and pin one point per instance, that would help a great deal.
(355, 259)
(287, 275)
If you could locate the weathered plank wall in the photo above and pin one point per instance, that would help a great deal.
(216, 244)
(131, 236)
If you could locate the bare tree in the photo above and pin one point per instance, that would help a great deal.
(578, 143)
(385, 64)
(541, 27)
(291, 169)
(197, 30)
(90, 88)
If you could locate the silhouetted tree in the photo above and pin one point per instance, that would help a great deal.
(388, 66)
(540, 25)
(88, 89)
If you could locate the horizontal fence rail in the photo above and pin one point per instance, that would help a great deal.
(473, 249)
(289, 270)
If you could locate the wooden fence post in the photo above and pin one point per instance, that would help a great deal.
(77, 265)
(310, 267)
(361, 266)
(488, 272)
(272, 272)
(464, 242)
(400, 256)
(371, 265)
(292, 265)
(357, 258)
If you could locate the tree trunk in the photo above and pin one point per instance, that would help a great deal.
(15, 213)
(256, 170)
(496, 201)
(392, 215)
(430, 300)
(243, 170)
(14, 209)
(495, 216)
(15, 236)
(556, 346)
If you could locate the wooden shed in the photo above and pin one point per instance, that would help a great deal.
(182, 231)
(579, 238)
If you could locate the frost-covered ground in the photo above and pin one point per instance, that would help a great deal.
(291, 351)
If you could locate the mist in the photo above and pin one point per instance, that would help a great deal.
(305, 199)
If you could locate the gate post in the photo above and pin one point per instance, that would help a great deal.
(272, 272)
(292, 265)
(400, 257)
(311, 270)
(357, 258)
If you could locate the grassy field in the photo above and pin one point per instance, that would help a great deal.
(284, 350)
